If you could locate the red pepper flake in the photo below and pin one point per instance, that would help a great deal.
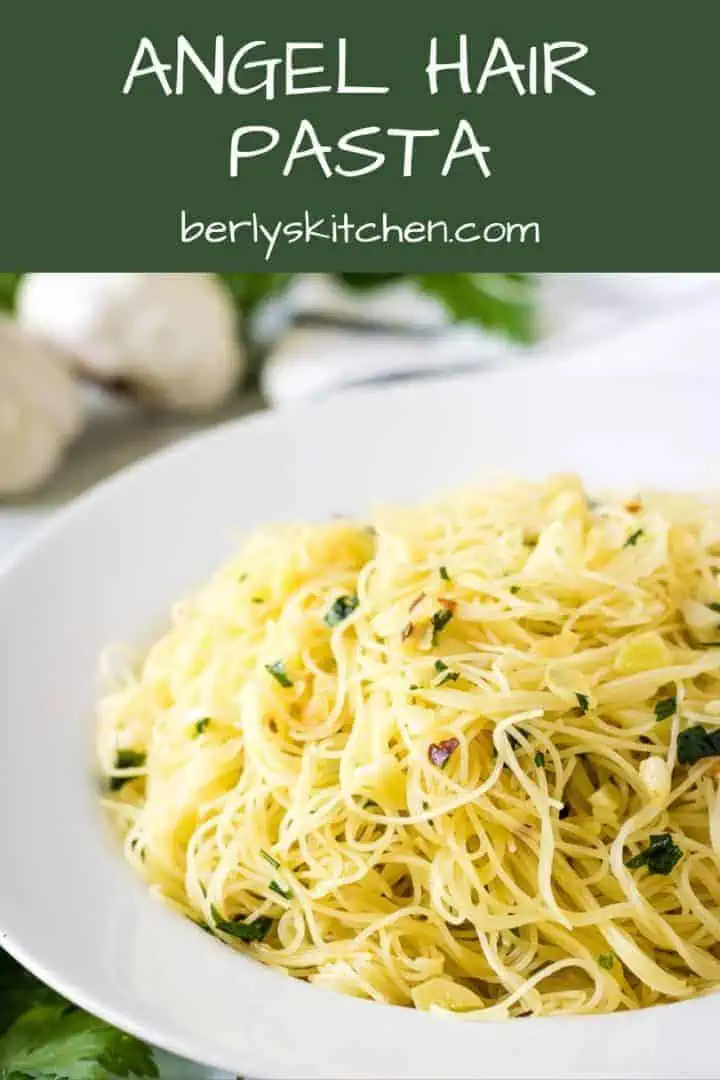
(440, 753)
(449, 605)
(407, 631)
(418, 600)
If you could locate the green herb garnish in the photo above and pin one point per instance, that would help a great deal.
(660, 856)
(714, 606)
(514, 589)
(665, 707)
(443, 571)
(258, 600)
(606, 960)
(277, 670)
(243, 931)
(340, 609)
(243, 577)
(126, 759)
(633, 538)
(268, 858)
(439, 621)
(583, 702)
(695, 743)
(45, 1037)
(450, 676)
(413, 686)
(200, 726)
(539, 759)
(276, 888)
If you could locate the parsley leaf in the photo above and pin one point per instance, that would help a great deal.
(660, 856)
(449, 676)
(665, 707)
(695, 743)
(633, 538)
(539, 759)
(277, 888)
(444, 573)
(439, 621)
(126, 759)
(583, 702)
(53, 1040)
(44, 1036)
(714, 606)
(340, 609)
(243, 931)
(277, 670)
(200, 726)
(606, 960)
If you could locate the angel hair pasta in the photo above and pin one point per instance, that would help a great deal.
(464, 757)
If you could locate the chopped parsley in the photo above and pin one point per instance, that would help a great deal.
(539, 759)
(440, 753)
(268, 858)
(606, 960)
(258, 600)
(340, 610)
(413, 686)
(450, 676)
(242, 577)
(439, 621)
(126, 759)
(277, 670)
(243, 931)
(514, 589)
(583, 702)
(444, 573)
(695, 743)
(665, 707)
(660, 856)
(200, 726)
(633, 538)
(714, 606)
(276, 888)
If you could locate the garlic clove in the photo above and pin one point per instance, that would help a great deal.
(40, 408)
(171, 338)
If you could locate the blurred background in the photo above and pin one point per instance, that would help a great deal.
(98, 370)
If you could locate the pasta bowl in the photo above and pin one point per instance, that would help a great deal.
(108, 570)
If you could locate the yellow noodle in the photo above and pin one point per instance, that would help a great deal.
(433, 800)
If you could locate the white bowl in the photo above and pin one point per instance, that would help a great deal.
(109, 569)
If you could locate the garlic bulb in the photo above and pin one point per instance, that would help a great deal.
(171, 338)
(40, 408)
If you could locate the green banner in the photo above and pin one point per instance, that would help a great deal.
(498, 135)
